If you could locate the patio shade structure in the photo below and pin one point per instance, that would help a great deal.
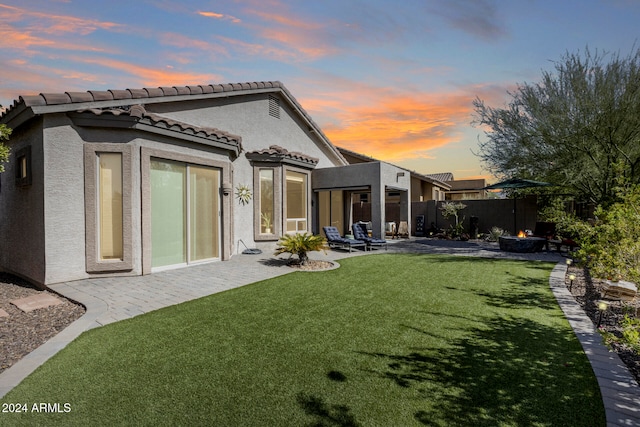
(514, 184)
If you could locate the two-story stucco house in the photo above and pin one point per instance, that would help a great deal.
(127, 182)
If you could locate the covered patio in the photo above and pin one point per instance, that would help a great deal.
(378, 184)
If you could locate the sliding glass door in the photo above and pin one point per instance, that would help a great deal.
(204, 236)
(185, 213)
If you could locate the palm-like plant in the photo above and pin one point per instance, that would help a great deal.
(299, 244)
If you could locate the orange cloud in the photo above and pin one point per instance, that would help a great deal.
(391, 125)
(26, 41)
(34, 79)
(151, 76)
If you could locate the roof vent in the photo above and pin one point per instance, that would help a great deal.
(274, 107)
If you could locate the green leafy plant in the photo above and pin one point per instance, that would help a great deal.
(630, 335)
(611, 247)
(568, 226)
(299, 244)
(495, 233)
(5, 132)
(266, 220)
(631, 332)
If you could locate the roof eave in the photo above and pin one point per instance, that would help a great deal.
(86, 119)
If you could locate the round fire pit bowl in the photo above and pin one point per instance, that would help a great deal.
(521, 244)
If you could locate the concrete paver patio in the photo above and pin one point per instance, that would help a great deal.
(112, 299)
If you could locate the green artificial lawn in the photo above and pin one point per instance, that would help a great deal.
(385, 340)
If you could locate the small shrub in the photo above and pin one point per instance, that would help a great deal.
(630, 334)
(299, 244)
(495, 233)
(611, 247)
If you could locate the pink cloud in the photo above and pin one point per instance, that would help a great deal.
(184, 42)
(256, 49)
(53, 24)
(219, 16)
(305, 38)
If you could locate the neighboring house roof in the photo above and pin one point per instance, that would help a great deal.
(137, 117)
(277, 154)
(27, 107)
(363, 158)
(357, 156)
(443, 176)
(468, 185)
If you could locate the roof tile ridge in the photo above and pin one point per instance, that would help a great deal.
(208, 131)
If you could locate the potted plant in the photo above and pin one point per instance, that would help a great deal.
(266, 222)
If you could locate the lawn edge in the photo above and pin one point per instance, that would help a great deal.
(619, 390)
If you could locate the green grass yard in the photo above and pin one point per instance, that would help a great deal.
(385, 340)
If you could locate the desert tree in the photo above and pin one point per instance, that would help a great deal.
(577, 128)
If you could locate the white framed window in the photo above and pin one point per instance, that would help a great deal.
(297, 200)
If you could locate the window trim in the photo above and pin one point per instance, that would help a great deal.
(276, 221)
(226, 218)
(284, 199)
(23, 154)
(92, 251)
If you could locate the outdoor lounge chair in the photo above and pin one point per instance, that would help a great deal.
(360, 233)
(334, 240)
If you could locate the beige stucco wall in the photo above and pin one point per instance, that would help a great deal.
(44, 227)
(250, 119)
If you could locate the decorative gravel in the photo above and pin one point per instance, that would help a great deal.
(588, 293)
(20, 332)
(312, 265)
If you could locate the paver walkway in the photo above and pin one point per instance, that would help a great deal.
(112, 299)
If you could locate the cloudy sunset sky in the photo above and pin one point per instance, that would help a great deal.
(392, 79)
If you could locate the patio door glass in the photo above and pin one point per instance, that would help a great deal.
(331, 210)
(203, 213)
(168, 213)
(185, 209)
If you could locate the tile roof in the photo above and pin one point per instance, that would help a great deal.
(43, 99)
(444, 176)
(275, 153)
(27, 107)
(138, 115)
(139, 112)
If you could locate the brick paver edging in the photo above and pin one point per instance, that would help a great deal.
(620, 392)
